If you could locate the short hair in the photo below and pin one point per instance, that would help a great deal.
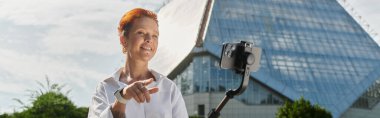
(128, 18)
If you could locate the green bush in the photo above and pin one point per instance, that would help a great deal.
(195, 116)
(49, 104)
(302, 109)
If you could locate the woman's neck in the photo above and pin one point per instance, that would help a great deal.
(135, 71)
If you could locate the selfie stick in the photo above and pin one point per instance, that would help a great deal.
(214, 113)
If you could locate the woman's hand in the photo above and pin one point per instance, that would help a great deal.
(138, 91)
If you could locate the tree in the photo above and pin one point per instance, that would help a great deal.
(51, 103)
(302, 109)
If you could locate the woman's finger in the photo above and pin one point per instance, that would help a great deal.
(148, 81)
(146, 94)
(153, 90)
(140, 94)
(134, 95)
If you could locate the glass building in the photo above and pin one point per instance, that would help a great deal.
(310, 48)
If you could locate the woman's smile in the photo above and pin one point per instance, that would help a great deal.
(147, 48)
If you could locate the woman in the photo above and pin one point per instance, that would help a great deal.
(135, 91)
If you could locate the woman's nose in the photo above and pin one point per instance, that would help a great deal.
(148, 38)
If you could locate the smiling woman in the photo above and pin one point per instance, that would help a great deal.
(135, 91)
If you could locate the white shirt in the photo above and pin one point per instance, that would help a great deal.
(166, 103)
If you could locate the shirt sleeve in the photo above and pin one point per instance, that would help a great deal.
(178, 106)
(100, 106)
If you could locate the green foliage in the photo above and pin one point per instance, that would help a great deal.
(302, 109)
(49, 104)
(195, 116)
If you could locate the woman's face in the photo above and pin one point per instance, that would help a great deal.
(142, 39)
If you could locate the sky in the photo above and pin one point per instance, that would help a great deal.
(75, 42)
(72, 42)
(369, 11)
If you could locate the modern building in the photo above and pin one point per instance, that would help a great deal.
(310, 48)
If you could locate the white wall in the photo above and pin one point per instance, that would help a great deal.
(233, 109)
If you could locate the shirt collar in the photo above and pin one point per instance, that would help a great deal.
(116, 76)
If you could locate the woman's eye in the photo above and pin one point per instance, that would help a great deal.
(155, 36)
(140, 33)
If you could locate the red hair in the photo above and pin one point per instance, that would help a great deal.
(128, 18)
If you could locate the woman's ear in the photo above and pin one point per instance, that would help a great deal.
(123, 42)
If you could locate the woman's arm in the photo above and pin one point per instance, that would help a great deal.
(101, 107)
(118, 109)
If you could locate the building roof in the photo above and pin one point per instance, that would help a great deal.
(179, 22)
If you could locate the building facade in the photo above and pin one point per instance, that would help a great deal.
(310, 48)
